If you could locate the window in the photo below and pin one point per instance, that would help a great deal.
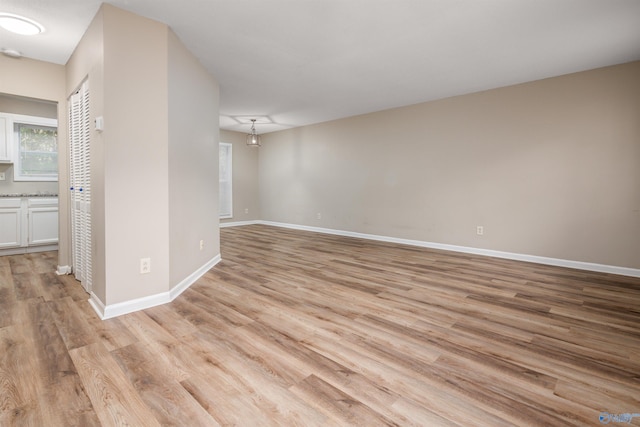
(226, 178)
(35, 149)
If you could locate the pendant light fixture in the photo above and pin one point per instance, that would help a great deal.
(253, 139)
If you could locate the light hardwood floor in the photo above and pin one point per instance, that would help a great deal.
(297, 328)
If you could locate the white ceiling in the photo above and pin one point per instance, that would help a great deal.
(298, 62)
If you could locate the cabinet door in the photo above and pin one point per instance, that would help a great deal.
(4, 139)
(43, 226)
(10, 226)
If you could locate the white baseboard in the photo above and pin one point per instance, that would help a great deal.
(63, 270)
(125, 307)
(118, 309)
(238, 223)
(602, 268)
(28, 249)
(42, 248)
(97, 305)
(193, 277)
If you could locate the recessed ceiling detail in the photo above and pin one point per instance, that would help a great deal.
(259, 120)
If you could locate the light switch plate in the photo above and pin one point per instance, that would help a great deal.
(2, 178)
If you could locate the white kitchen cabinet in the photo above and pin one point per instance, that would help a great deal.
(43, 221)
(28, 225)
(11, 214)
(5, 153)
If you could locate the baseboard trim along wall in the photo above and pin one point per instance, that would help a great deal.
(602, 268)
(192, 278)
(63, 270)
(238, 223)
(114, 310)
(118, 309)
(28, 250)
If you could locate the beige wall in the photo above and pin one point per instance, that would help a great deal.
(145, 201)
(136, 160)
(28, 106)
(193, 163)
(549, 168)
(87, 63)
(30, 78)
(245, 177)
(45, 81)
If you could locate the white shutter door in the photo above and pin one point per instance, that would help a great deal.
(86, 189)
(75, 111)
(80, 173)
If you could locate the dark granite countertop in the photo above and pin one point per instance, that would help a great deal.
(29, 195)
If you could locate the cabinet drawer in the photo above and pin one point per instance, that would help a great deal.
(42, 202)
(9, 203)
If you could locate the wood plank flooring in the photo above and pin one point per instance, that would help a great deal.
(301, 329)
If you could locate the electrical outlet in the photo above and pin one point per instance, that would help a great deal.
(145, 265)
(318, 215)
(201, 244)
(246, 210)
(480, 230)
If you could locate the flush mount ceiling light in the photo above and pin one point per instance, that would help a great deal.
(20, 25)
(253, 139)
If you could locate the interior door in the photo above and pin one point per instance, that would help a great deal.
(80, 188)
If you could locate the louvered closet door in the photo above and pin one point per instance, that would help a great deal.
(80, 174)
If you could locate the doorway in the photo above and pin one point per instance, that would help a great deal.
(28, 175)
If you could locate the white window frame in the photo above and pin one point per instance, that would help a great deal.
(226, 182)
(12, 120)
